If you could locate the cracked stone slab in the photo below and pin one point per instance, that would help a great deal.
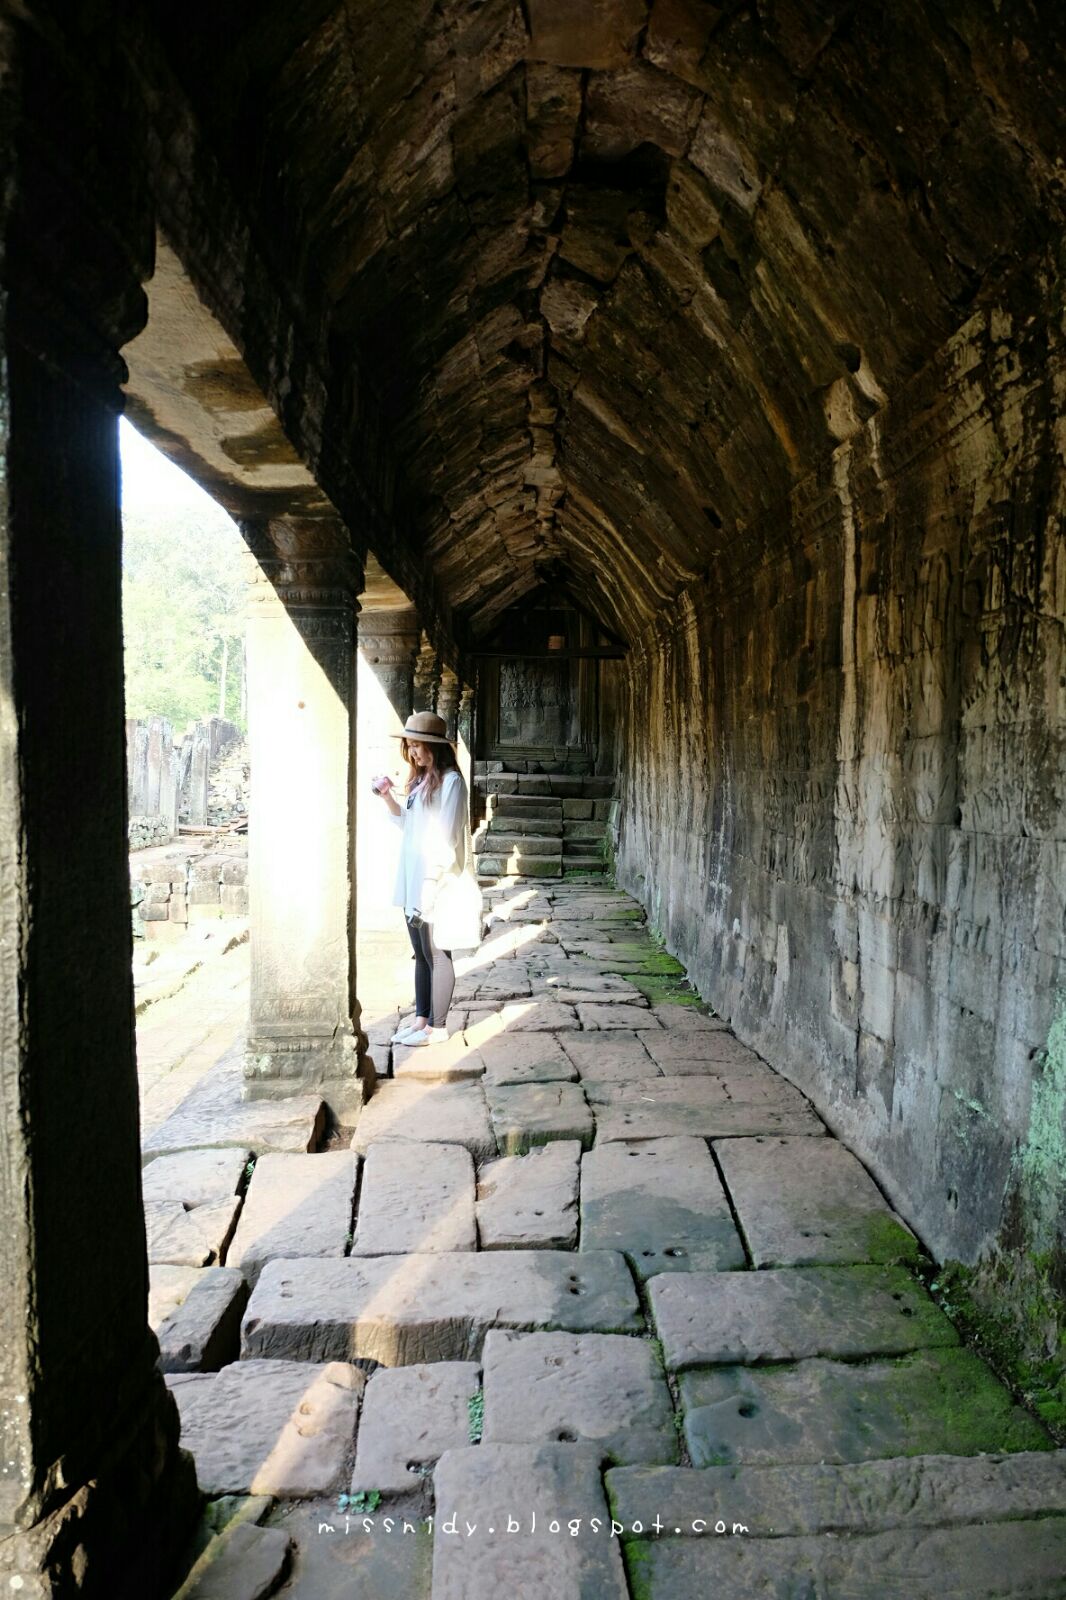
(613, 1014)
(407, 1309)
(927, 1402)
(526, 1058)
(804, 1201)
(659, 1108)
(531, 1485)
(296, 1205)
(415, 1196)
(203, 1333)
(270, 1427)
(454, 1061)
(214, 1116)
(244, 1562)
(603, 986)
(524, 1115)
(529, 1202)
(661, 1202)
(992, 1561)
(863, 1498)
(181, 1238)
(563, 1387)
(410, 1416)
(618, 1058)
(442, 1113)
(195, 1177)
(714, 1046)
(707, 1319)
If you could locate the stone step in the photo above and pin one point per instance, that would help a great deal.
(401, 1310)
(574, 829)
(527, 805)
(522, 827)
(438, 1113)
(514, 865)
(584, 863)
(500, 843)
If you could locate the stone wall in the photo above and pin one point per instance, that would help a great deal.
(844, 791)
(170, 779)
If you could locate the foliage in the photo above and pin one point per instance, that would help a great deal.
(182, 594)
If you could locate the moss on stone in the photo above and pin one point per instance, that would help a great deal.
(636, 1553)
(663, 991)
(888, 1240)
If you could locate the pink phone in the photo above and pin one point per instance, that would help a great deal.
(381, 785)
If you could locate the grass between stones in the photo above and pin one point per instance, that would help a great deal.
(475, 1415)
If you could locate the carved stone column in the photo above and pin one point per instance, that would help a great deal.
(448, 701)
(304, 1016)
(388, 646)
(427, 677)
(96, 1498)
(464, 723)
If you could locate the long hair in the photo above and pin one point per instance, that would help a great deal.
(443, 761)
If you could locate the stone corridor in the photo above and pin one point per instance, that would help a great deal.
(594, 1304)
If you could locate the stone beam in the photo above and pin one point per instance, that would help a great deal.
(304, 1016)
(95, 1496)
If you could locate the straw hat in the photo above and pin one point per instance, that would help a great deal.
(426, 727)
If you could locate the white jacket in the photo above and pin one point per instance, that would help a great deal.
(434, 842)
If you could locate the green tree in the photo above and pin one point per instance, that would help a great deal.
(182, 594)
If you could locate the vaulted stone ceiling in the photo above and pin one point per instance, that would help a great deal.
(621, 273)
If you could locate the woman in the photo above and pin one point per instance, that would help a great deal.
(434, 823)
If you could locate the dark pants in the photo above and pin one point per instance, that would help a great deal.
(434, 976)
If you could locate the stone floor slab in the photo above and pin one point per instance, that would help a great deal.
(661, 1202)
(661, 1108)
(712, 1045)
(440, 1113)
(242, 1563)
(181, 1238)
(407, 1309)
(454, 1061)
(866, 1497)
(687, 1019)
(611, 1014)
(707, 1319)
(203, 1333)
(996, 1561)
(410, 1416)
(804, 1201)
(496, 1485)
(296, 1205)
(617, 1059)
(168, 1288)
(927, 1402)
(529, 1202)
(270, 1427)
(524, 1115)
(353, 1556)
(195, 1177)
(214, 1116)
(526, 1058)
(561, 1387)
(415, 1196)
(538, 1016)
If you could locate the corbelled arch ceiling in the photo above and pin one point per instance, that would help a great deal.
(621, 273)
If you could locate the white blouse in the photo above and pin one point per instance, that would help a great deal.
(434, 842)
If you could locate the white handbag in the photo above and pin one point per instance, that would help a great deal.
(457, 912)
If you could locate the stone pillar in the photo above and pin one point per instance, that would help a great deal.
(96, 1499)
(465, 737)
(303, 1026)
(388, 645)
(427, 677)
(448, 701)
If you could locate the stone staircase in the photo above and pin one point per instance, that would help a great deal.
(542, 825)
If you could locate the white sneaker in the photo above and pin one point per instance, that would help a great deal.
(400, 1036)
(427, 1036)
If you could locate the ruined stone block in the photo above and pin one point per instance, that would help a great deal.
(203, 1333)
(661, 1202)
(529, 1202)
(415, 1196)
(410, 1416)
(234, 899)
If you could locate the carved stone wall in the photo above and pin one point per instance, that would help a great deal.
(844, 790)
